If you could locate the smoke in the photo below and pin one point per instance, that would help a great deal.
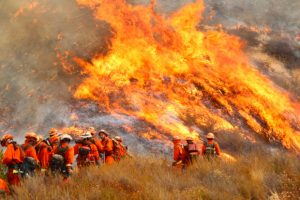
(277, 53)
(39, 39)
(35, 37)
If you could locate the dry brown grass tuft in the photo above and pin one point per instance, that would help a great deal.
(253, 176)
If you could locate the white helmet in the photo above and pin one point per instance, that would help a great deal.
(65, 136)
(118, 138)
(104, 132)
(210, 136)
(86, 135)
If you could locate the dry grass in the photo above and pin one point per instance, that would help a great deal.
(253, 176)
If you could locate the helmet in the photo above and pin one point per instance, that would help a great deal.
(210, 136)
(65, 137)
(86, 135)
(53, 132)
(118, 138)
(40, 137)
(176, 138)
(31, 135)
(92, 130)
(189, 139)
(7, 137)
(104, 132)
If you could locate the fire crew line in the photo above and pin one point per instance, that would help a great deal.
(54, 155)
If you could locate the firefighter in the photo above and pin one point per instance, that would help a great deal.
(87, 151)
(63, 156)
(191, 152)
(12, 158)
(120, 150)
(96, 141)
(210, 148)
(44, 149)
(108, 147)
(31, 160)
(178, 153)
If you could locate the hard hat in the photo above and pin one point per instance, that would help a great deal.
(31, 135)
(210, 136)
(86, 135)
(104, 132)
(176, 138)
(53, 132)
(65, 137)
(118, 138)
(189, 139)
(92, 130)
(40, 137)
(6, 137)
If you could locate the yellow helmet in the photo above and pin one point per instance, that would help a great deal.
(210, 136)
(53, 132)
(31, 135)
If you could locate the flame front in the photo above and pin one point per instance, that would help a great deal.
(180, 80)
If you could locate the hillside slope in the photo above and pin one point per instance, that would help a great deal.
(256, 175)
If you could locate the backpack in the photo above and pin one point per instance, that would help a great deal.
(83, 152)
(57, 162)
(210, 149)
(27, 167)
(192, 150)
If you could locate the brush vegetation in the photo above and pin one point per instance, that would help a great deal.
(255, 175)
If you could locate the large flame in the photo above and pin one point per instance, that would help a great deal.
(180, 80)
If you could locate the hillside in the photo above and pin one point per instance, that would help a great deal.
(256, 175)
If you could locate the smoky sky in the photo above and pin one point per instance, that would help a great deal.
(36, 88)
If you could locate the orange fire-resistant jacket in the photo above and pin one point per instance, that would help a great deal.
(69, 154)
(98, 144)
(44, 152)
(108, 148)
(178, 151)
(4, 187)
(93, 155)
(30, 151)
(12, 155)
(123, 150)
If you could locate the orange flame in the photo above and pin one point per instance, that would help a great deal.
(166, 72)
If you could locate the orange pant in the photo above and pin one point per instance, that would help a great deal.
(109, 160)
(13, 179)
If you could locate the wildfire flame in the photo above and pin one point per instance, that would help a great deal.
(163, 70)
